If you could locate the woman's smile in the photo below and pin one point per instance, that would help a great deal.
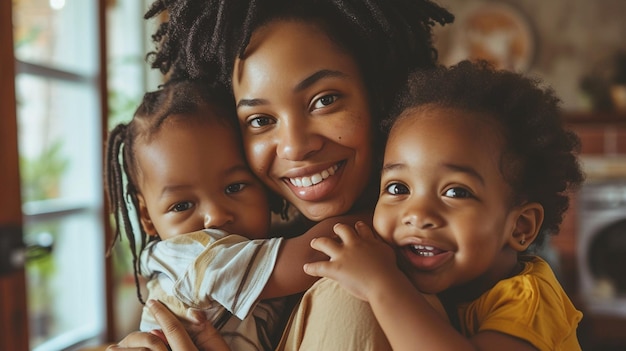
(305, 119)
(316, 186)
(307, 181)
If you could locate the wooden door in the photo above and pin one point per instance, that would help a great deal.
(13, 312)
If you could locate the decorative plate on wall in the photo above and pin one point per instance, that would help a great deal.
(496, 32)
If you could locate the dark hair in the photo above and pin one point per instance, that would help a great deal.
(540, 157)
(121, 168)
(387, 38)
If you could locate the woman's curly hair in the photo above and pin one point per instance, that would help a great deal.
(387, 38)
(540, 157)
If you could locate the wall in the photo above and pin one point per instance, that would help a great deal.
(573, 38)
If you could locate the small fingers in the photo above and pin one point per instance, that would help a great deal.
(364, 230)
(318, 269)
(345, 232)
(326, 245)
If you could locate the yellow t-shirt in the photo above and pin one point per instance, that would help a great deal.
(531, 306)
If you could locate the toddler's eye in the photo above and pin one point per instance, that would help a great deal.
(458, 193)
(181, 206)
(234, 188)
(397, 189)
(325, 101)
(259, 121)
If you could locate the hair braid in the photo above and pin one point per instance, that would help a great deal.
(115, 170)
(175, 98)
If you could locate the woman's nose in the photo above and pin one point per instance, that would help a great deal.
(298, 139)
(216, 217)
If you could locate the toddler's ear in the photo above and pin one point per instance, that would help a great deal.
(144, 217)
(527, 224)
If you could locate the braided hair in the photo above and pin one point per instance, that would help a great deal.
(540, 157)
(387, 38)
(121, 168)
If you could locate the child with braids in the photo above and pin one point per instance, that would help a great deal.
(477, 171)
(204, 217)
(311, 80)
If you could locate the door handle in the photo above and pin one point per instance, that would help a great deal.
(14, 252)
(12, 249)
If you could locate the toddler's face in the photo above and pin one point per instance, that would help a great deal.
(193, 176)
(444, 203)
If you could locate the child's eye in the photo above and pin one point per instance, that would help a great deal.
(181, 206)
(397, 189)
(260, 121)
(234, 188)
(325, 101)
(458, 193)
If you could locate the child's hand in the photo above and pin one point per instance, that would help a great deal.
(361, 262)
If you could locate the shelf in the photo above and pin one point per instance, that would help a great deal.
(599, 118)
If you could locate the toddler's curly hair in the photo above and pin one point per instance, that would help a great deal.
(540, 158)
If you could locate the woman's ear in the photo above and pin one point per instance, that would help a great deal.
(528, 221)
(144, 217)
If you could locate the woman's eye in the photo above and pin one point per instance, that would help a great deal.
(235, 188)
(325, 101)
(397, 189)
(181, 206)
(260, 121)
(458, 193)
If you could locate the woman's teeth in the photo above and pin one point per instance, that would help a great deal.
(315, 178)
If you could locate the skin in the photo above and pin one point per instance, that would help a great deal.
(207, 339)
(186, 186)
(305, 118)
(446, 210)
(302, 113)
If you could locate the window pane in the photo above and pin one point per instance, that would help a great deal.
(66, 288)
(60, 164)
(59, 141)
(57, 33)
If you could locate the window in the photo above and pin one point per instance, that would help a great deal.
(60, 146)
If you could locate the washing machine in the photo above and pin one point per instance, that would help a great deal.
(601, 247)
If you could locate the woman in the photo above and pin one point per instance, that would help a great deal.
(311, 80)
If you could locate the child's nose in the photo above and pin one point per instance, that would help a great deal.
(421, 214)
(217, 217)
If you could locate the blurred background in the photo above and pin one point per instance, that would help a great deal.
(70, 69)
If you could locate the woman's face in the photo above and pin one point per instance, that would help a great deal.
(305, 118)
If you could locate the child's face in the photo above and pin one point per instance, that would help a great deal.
(444, 203)
(305, 118)
(193, 176)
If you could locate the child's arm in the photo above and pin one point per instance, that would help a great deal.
(288, 277)
(366, 266)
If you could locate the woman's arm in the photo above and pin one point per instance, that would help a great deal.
(288, 277)
(173, 333)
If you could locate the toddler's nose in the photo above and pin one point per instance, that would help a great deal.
(217, 217)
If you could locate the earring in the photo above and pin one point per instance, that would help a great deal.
(522, 242)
